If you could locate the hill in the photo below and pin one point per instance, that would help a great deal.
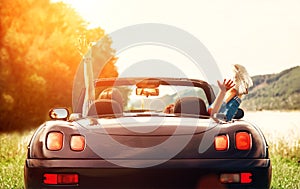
(279, 91)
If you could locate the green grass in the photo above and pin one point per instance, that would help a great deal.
(12, 156)
(286, 173)
(285, 157)
(284, 153)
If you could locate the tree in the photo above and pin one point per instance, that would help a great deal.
(38, 59)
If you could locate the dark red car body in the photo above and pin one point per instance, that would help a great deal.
(197, 165)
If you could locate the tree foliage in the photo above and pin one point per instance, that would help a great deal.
(279, 91)
(38, 59)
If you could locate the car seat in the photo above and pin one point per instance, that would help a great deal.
(104, 107)
(190, 105)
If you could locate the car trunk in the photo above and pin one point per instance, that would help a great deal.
(158, 138)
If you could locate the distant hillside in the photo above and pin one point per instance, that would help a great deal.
(279, 91)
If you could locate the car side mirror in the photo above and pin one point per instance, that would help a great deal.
(59, 113)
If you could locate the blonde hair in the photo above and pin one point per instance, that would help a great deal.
(242, 79)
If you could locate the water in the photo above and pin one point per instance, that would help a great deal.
(277, 124)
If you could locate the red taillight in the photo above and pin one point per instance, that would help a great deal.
(77, 142)
(243, 141)
(52, 178)
(243, 178)
(246, 178)
(54, 141)
(221, 142)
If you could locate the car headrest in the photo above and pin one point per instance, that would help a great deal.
(105, 107)
(190, 105)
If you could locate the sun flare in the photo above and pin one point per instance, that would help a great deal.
(87, 9)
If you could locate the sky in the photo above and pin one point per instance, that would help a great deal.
(262, 35)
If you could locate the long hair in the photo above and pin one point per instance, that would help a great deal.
(242, 79)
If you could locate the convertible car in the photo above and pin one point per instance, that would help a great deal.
(146, 133)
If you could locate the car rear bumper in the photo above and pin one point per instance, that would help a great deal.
(183, 173)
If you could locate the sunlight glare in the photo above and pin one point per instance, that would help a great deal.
(87, 9)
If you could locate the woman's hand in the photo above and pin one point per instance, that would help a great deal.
(225, 86)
